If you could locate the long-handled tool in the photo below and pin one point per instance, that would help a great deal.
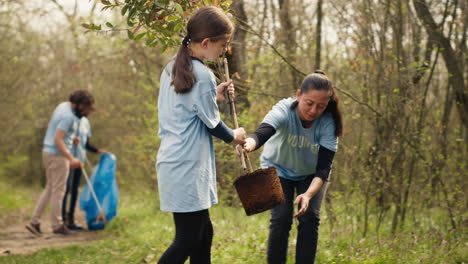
(244, 157)
(101, 212)
(93, 193)
(258, 190)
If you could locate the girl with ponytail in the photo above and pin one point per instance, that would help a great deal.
(188, 117)
(301, 137)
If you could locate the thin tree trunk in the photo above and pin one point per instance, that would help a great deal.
(288, 38)
(451, 58)
(366, 212)
(237, 58)
(318, 39)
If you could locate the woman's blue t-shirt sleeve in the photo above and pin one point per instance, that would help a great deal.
(278, 114)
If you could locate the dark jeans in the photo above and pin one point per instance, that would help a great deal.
(73, 183)
(307, 230)
(193, 237)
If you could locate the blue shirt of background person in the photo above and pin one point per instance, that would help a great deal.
(293, 149)
(64, 119)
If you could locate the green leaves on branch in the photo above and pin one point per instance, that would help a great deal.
(109, 5)
(91, 26)
(158, 21)
(162, 20)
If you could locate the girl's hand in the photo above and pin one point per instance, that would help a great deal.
(222, 88)
(238, 150)
(239, 136)
(302, 199)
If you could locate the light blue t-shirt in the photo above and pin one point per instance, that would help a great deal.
(84, 133)
(293, 149)
(64, 119)
(186, 162)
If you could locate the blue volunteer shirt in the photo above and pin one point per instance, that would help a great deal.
(84, 133)
(185, 162)
(64, 119)
(293, 149)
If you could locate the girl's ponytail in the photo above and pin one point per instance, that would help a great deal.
(182, 75)
(208, 22)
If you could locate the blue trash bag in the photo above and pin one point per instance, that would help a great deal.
(105, 186)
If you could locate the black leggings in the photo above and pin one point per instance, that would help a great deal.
(193, 237)
(73, 183)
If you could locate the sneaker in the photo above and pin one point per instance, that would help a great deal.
(34, 228)
(75, 227)
(62, 230)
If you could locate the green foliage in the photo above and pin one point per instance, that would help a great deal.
(14, 197)
(11, 163)
(158, 22)
(141, 233)
(91, 26)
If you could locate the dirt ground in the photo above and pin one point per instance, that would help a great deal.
(16, 239)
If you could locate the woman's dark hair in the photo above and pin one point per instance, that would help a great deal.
(319, 81)
(82, 97)
(209, 22)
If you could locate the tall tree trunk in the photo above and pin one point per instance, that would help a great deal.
(236, 57)
(318, 39)
(453, 61)
(288, 38)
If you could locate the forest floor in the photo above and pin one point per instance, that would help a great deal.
(16, 239)
(141, 233)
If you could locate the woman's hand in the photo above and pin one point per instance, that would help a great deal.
(239, 136)
(222, 88)
(303, 200)
(250, 144)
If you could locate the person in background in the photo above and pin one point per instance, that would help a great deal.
(301, 137)
(188, 117)
(81, 144)
(58, 159)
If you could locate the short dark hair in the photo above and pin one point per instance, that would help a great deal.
(82, 97)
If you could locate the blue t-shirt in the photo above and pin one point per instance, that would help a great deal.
(84, 133)
(64, 119)
(293, 149)
(185, 162)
